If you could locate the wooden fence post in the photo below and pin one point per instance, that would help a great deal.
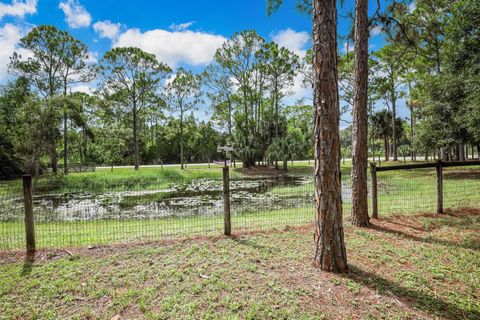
(373, 172)
(226, 202)
(439, 174)
(29, 223)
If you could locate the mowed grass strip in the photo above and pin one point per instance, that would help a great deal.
(85, 233)
(422, 266)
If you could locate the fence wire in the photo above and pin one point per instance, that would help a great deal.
(406, 191)
(461, 187)
(12, 226)
(271, 201)
(414, 190)
(96, 213)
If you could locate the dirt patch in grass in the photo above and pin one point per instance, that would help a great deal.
(404, 267)
(462, 174)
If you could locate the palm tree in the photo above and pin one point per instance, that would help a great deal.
(381, 123)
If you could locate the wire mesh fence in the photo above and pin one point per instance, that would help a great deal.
(12, 226)
(271, 201)
(461, 187)
(88, 213)
(406, 191)
(415, 190)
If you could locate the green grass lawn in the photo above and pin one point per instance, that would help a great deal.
(419, 266)
(85, 233)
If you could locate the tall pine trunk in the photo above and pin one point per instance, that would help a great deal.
(461, 152)
(52, 149)
(181, 140)
(54, 159)
(330, 253)
(385, 147)
(360, 112)
(65, 143)
(65, 130)
(394, 127)
(411, 106)
(135, 138)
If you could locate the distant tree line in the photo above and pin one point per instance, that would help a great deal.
(141, 112)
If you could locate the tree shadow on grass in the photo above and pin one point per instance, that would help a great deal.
(28, 264)
(250, 243)
(471, 174)
(429, 303)
(430, 240)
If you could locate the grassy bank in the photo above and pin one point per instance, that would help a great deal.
(119, 179)
(404, 267)
(104, 179)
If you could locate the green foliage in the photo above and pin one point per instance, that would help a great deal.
(183, 95)
(262, 73)
(57, 59)
(131, 78)
(449, 99)
(137, 116)
(381, 127)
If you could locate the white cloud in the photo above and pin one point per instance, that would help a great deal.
(92, 57)
(173, 47)
(298, 42)
(298, 91)
(170, 79)
(181, 26)
(376, 31)
(347, 47)
(10, 36)
(76, 15)
(85, 88)
(293, 40)
(18, 8)
(107, 29)
(412, 6)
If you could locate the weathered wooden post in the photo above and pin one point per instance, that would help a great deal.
(29, 223)
(226, 202)
(439, 173)
(373, 172)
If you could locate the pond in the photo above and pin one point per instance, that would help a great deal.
(198, 197)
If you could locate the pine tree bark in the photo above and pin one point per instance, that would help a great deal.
(385, 147)
(65, 131)
(461, 152)
(394, 127)
(135, 137)
(181, 141)
(65, 143)
(54, 159)
(360, 112)
(330, 253)
(412, 134)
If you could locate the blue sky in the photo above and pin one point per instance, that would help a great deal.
(181, 33)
